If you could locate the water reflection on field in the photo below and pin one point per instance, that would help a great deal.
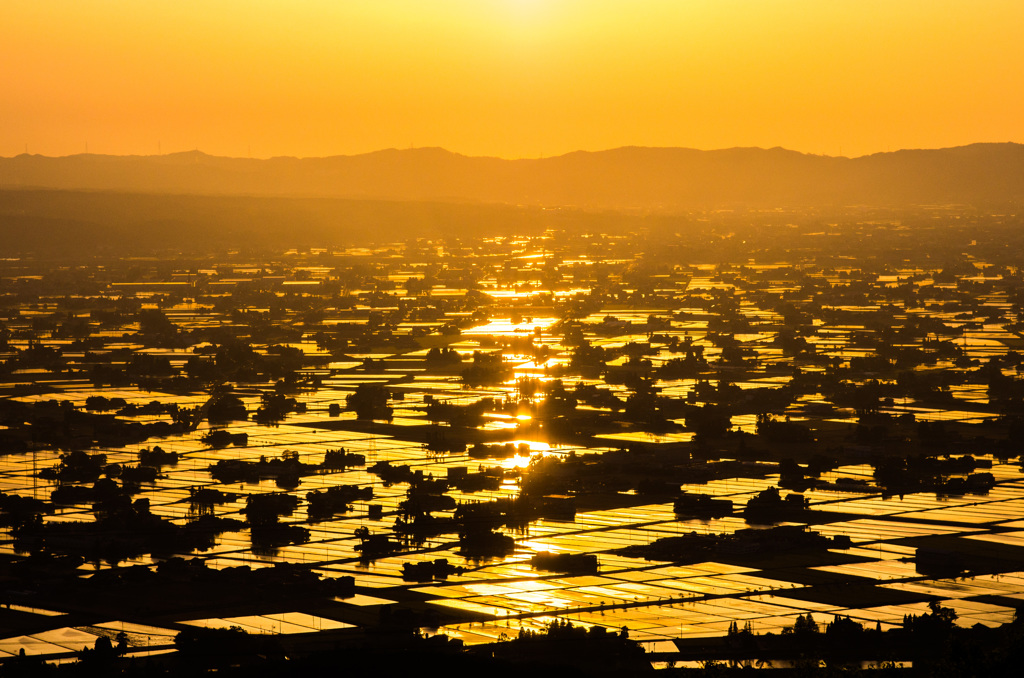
(874, 581)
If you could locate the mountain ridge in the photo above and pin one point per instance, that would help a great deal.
(624, 178)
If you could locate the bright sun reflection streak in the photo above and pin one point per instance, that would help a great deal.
(505, 326)
(537, 449)
(517, 461)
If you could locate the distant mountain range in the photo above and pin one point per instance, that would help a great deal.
(630, 178)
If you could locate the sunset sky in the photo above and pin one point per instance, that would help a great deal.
(512, 78)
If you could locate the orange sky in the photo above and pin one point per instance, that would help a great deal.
(513, 78)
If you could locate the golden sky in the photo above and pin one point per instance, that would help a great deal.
(512, 78)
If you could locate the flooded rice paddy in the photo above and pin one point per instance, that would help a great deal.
(798, 341)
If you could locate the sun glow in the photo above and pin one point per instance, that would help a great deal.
(511, 78)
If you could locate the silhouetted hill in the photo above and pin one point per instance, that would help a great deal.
(654, 179)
